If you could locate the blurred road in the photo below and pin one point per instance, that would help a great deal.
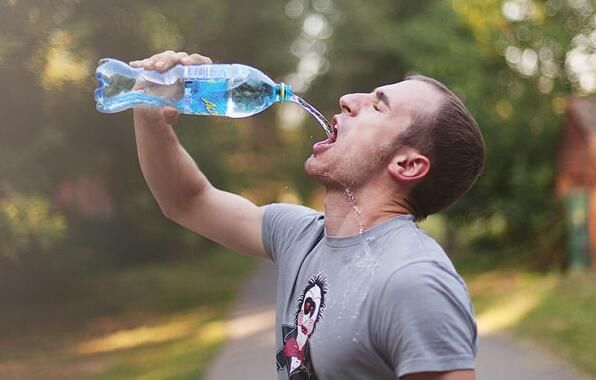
(249, 354)
(501, 358)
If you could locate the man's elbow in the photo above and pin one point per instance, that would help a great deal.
(176, 210)
(184, 205)
(170, 212)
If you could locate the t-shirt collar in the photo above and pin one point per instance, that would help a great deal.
(379, 229)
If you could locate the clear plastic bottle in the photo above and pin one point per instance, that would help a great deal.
(211, 89)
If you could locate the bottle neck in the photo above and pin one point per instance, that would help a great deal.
(283, 92)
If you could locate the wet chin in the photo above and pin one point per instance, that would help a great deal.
(326, 174)
(317, 169)
(338, 173)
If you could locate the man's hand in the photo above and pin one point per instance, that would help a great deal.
(182, 191)
(163, 62)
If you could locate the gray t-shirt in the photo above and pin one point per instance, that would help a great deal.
(377, 305)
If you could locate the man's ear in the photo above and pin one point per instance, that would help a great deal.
(409, 166)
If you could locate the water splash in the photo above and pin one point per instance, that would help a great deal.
(362, 266)
(365, 263)
(357, 211)
(315, 113)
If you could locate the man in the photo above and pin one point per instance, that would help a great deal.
(362, 292)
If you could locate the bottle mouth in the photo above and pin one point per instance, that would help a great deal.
(284, 92)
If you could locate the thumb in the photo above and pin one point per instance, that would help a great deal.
(170, 115)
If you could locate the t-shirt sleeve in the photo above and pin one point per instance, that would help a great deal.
(424, 321)
(283, 224)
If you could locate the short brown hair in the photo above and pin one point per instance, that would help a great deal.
(453, 143)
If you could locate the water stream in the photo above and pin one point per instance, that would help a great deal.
(315, 113)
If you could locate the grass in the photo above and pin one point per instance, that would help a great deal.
(161, 321)
(565, 320)
(558, 311)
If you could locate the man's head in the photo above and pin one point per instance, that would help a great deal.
(416, 133)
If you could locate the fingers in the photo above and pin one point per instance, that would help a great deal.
(160, 62)
(169, 61)
(196, 59)
(166, 60)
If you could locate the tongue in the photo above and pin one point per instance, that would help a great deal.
(322, 145)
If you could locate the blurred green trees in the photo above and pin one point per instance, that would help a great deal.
(82, 164)
(27, 223)
(513, 62)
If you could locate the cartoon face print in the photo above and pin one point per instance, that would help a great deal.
(294, 356)
(309, 310)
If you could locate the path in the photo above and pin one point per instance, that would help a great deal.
(249, 353)
(501, 358)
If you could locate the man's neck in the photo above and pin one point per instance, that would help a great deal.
(351, 211)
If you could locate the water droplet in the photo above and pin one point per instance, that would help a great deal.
(357, 211)
(355, 340)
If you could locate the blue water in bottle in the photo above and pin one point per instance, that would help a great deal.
(231, 90)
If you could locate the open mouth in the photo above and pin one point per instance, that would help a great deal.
(326, 144)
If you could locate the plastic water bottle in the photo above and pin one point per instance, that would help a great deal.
(211, 89)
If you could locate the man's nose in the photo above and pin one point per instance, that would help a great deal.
(351, 103)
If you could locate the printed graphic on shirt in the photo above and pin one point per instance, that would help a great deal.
(295, 353)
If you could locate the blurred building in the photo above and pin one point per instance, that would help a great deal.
(576, 179)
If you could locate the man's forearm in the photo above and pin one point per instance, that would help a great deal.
(172, 175)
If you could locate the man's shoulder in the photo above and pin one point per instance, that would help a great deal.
(421, 286)
(409, 248)
(285, 224)
(417, 264)
(291, 210)
(419, 273)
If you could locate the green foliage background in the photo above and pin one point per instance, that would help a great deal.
(51, 134)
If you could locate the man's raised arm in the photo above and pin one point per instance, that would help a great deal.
(182, 191)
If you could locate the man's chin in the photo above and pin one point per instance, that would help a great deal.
(313, 167)
(317, 171)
